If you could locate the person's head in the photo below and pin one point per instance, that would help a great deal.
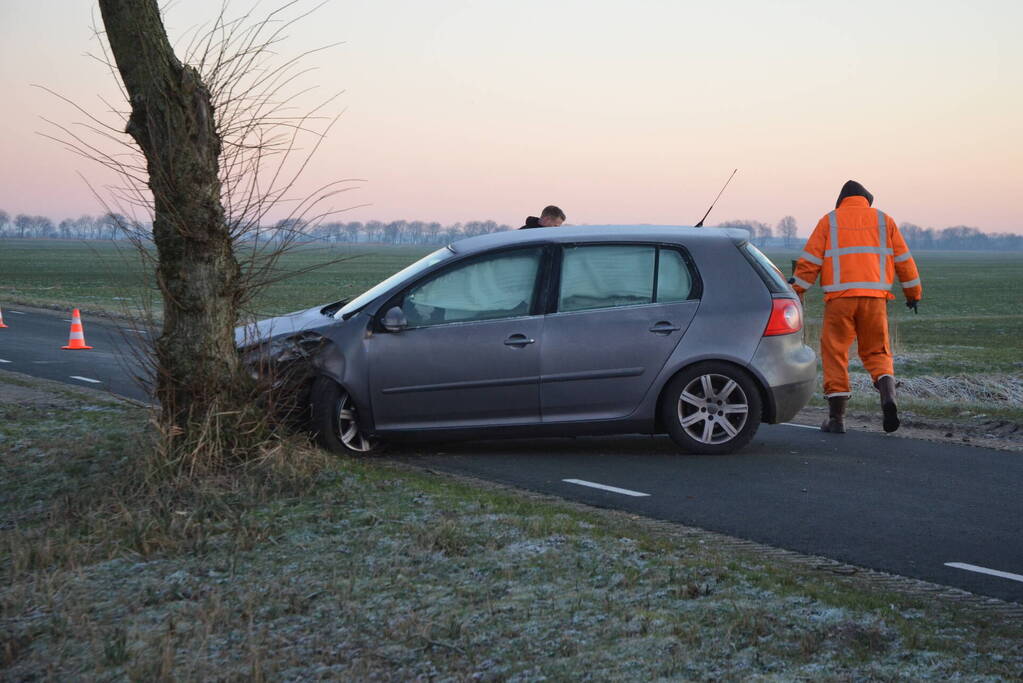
(552, 217)
(854, 189)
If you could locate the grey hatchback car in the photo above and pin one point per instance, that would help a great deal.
(552, 332)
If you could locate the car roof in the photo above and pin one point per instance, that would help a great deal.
(612, 233)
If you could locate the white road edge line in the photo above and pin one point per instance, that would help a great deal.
(793, 424)
(5, 361)
(87, 379)
(985, 570)
(605, 487)
(17, 312)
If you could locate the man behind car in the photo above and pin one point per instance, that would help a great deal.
(550, 217)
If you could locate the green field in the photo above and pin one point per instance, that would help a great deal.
(110, 277)
(971, 315)
(969, 329)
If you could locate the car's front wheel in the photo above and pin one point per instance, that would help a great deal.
(335, 420)
(711, 408)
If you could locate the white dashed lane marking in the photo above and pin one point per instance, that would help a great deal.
(87, 379)
(17, 312)
(985, 570)
(5, 361)
(605, 487)
(793, 424)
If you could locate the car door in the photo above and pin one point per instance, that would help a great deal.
(621, 310)
(470, 355)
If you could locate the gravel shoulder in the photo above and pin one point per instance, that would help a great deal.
(978, 430)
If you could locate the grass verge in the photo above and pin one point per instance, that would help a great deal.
(308, 567)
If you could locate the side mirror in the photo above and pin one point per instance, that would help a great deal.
(394, 320)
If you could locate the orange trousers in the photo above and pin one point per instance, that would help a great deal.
(860, 318)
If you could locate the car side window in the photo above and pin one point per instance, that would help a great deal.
(498, 286)
(674, 280)
(606, 276)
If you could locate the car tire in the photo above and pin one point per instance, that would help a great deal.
(711, 408)
(335, 420)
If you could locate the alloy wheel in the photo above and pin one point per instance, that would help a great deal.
(348, 426)
(713, 408)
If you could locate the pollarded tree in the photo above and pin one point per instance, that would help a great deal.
(173, 122)
(218, 154)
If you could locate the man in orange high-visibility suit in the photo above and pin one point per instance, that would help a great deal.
(856, 250)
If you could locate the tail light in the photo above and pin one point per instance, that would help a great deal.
(786, 317)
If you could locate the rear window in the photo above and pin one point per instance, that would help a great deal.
(606, 276)
(769, 273)
(610, 276)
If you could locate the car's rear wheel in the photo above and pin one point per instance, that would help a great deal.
(711, 408)
(335, 420)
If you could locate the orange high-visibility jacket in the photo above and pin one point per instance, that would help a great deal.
(857, 250)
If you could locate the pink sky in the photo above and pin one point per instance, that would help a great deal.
(618, 112)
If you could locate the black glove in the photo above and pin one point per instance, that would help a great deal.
(912, 303)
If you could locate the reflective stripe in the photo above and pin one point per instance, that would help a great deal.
(857, 250)
(836, 266)
(882, 286)
(882, 240)
(838, 394)
(802, 283)
(811, 258)
(903, 257)
(911, 283)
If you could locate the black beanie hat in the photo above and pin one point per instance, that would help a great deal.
(854, 189)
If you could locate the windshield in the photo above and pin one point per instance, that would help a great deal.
(406, 273)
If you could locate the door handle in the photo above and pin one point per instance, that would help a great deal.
(518, 340)
(664, 327)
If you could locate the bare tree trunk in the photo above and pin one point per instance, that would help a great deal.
(173, 121)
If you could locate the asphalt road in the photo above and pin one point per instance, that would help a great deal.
(899, 505)
(31, 344)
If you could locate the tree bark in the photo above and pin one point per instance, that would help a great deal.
(173, 121)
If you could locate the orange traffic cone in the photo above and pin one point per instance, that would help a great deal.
(77, 338)
(2, 318)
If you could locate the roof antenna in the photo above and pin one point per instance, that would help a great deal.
(700, 224)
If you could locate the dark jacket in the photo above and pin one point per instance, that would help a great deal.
(531, 222)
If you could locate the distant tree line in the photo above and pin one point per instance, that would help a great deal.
(104, 227)
(762, 234)
(399, 232)
(112, 226)
(957, 238)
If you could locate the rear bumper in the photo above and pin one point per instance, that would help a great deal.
(789, 399)
(787, 368)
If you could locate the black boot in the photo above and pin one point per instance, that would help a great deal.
(886, 387)
(835, 423)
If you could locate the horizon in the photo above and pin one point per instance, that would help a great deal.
(480, 111)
